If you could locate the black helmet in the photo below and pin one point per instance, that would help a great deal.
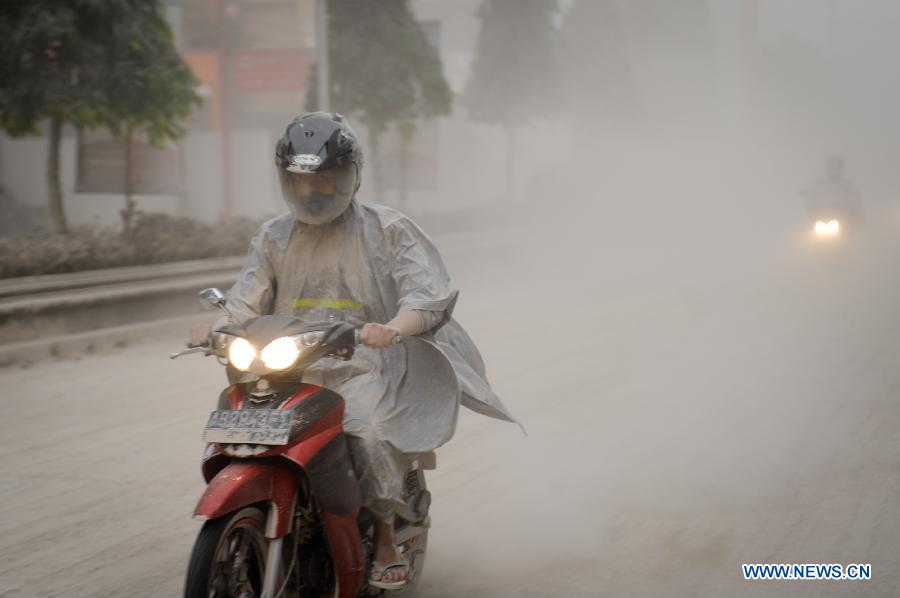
(319, 160)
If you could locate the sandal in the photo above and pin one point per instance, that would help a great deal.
(380, 570)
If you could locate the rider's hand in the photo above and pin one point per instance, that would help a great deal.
(377, 335)
(199, 336)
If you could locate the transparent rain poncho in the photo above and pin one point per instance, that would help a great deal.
(370, 264)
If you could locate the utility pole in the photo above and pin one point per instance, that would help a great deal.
(228, 11)
(322, 66)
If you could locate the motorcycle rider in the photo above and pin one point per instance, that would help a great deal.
(834, 191)
(332, 257)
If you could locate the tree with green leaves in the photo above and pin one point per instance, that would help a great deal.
(513, 78)
(383, 70)
(151, 89)
(88, 63)
(51, 61)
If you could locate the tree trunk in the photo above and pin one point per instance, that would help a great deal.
(407, 132)
(130, 207)
(374, 134)
(54, 187)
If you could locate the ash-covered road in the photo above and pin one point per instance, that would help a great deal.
(688, 409)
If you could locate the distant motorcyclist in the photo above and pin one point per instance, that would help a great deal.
(834, 192)
(334, 258)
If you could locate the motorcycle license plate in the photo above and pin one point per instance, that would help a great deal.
(250, 426)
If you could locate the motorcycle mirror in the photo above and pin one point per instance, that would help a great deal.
(211, 298)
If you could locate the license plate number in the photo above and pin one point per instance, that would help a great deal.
(250, 426)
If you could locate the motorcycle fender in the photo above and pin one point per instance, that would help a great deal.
(241, 484)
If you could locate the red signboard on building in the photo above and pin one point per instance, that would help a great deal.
(272, 70)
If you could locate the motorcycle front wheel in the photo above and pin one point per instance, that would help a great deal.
(229, 557)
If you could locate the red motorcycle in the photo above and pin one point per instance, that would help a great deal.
(282, 505)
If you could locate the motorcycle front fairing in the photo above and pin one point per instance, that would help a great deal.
(317, 451)
(849, 214)
(261, 331)
(318, 418)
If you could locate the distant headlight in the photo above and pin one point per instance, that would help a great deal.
(280, 353)
(241, 353)
(830, 228)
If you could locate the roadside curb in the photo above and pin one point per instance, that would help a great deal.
(24, 354)
(69, 281)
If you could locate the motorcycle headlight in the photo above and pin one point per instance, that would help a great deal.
(283, 352)
(241, 353)
(280, 353)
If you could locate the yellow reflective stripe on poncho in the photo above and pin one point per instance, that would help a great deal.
(329, 303)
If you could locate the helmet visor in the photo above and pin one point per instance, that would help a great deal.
(319, 197)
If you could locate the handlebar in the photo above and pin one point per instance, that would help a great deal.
(208, 348)
(356, 341)
(189, 351)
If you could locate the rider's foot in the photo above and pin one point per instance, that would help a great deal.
(389, 566)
